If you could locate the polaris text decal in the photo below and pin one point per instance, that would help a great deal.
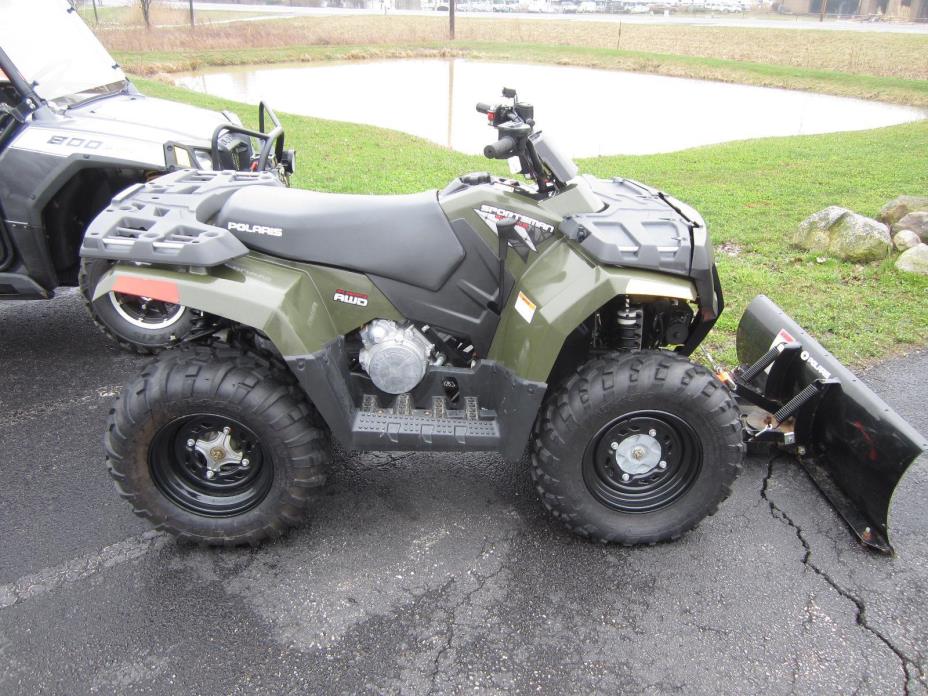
(531, 231)
(256, 229)
(783, 337)
(353, 298)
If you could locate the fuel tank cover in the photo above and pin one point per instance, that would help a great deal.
(636, 229)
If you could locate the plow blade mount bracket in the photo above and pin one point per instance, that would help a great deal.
(854, 447)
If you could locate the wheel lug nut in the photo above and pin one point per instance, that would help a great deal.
(626, 477)
(210, 473)
(245, 463)
(191, 442)
(614, 445)
(652, 432)
(662, 464)
(227, 430)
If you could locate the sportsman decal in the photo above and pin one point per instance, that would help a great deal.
(531, 231)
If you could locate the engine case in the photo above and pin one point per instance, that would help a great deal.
(395, 357)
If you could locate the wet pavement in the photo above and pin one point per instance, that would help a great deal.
(428, 573)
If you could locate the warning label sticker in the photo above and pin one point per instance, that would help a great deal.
(525, 307)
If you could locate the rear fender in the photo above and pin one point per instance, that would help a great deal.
(565, 289)
(293, 304)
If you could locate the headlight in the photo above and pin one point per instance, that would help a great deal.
(182, 157)
(232, 117)
(204, 159)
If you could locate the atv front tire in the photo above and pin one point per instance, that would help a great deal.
(636, 448)
(215, 446)
(138, 324)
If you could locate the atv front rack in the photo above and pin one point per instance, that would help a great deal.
(166, 220)
(793, 393)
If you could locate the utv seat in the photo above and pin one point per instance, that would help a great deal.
(405, 238)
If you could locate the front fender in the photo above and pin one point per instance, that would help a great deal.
(566, 289)
(291, 303)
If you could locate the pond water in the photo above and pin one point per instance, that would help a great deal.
(588, 111)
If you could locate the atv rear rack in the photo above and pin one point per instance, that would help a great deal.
(166, 221)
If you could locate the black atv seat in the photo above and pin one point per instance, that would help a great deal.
(405, 238)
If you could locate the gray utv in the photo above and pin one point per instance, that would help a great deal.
(73, 132)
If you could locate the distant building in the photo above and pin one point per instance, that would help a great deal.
(909, 10)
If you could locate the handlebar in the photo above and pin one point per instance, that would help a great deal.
(484, 108)
(501, 149)
(273, 141)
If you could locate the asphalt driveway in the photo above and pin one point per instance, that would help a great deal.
(428, 574)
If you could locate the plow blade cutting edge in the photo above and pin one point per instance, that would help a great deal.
(796, 394)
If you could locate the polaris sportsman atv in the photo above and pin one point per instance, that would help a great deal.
(558, 311)
(74, 132)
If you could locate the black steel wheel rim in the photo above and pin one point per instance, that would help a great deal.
(672, 475)
(180, 471)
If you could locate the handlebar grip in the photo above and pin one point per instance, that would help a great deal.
(484, 108)
(500, 149)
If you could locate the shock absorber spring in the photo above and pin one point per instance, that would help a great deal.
(629, 324)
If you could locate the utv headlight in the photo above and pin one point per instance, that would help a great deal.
(204, 159)
(232, 117)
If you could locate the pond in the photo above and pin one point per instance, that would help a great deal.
(588, 111)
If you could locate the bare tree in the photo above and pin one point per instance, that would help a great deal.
(146, 12)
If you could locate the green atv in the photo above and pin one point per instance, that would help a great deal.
(558, 310)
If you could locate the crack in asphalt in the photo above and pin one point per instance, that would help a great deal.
(452, 612)
(861, 609)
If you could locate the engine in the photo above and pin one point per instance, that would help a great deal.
(396, 357)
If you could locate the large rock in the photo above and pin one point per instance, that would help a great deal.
(898, 208)
(917, 222)
(905, 239)
(844, 234)
(914, 260)
(813, 231)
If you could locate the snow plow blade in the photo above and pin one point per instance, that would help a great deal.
(797, 395)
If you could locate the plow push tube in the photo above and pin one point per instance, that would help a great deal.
(854, 446)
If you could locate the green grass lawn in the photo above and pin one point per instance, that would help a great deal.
(752, 194)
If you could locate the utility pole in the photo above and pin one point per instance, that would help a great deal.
(451, 4)
(96, 17)
(191, 14)
(821, 17)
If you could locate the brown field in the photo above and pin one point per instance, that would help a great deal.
(874, 54)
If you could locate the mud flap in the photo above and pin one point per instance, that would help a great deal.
(796, 394)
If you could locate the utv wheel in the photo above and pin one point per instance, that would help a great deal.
(215, 446)
(636, 448)
(139, 324)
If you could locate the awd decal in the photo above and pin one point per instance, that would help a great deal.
(353, 298)
(256, 229)
(531, 231)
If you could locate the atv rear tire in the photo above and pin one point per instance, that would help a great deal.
(636, 448)
(141, 326)
(215, 446)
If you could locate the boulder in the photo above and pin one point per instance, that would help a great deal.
(914, 260)
(813, 231)
(917, 222)
(898, 208)
(905, 239)
(845, 235)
